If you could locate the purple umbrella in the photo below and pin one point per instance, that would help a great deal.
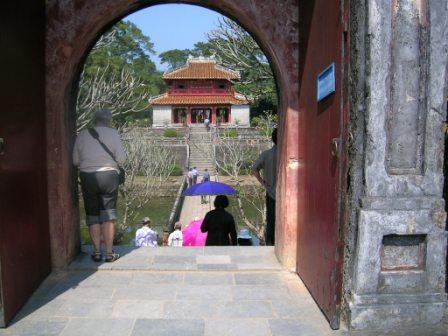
(209, 188)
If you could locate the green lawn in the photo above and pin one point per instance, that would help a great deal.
(158, 209)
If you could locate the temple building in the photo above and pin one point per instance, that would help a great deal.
(198, 90)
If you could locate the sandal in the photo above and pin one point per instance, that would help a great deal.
(111, 257)
(96, 256)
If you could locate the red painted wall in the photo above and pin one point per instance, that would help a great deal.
(200, 88)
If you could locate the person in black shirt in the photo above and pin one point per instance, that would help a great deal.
(219, 224)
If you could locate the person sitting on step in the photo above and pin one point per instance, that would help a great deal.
(176, 237)
(145, 236)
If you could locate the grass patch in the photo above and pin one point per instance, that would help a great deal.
(251, 212)
(231, 133)
(170, 133)
(158, 209)
(177, 171)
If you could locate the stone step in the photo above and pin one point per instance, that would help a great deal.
(202, 168)
(201, 164)
(202, 158)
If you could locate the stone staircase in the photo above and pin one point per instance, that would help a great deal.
(201, 150)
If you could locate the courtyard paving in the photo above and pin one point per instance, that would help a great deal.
(192, 208)
(211, 291)
(173, 291)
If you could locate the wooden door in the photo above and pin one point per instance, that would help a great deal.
(24, 233)
(319, 259)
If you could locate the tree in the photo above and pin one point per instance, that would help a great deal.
(236, 49)
(148, 167)
(123, 94)
(123, 45)
(119, 74)
(175, 57)
(265, 123)
(204, 49)
(234, 157)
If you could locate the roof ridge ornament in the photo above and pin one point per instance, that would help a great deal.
(200, 59)
(211, 70)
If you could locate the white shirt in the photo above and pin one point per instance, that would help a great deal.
(146, 237)
(195, 172)
(175, 238)
(91, 157)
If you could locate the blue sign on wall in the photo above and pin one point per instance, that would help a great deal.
(326, 83)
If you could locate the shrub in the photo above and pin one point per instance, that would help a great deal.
(170, 133)
(232, 133)
(177, 171)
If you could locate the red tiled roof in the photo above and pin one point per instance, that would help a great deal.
(165, 99)
(201, 69)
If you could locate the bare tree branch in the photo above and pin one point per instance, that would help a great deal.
(234, 158)
(236, 49)
(123, 94)
(148, 167)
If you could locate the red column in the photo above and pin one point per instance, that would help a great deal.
(188, 115)
(213, 119)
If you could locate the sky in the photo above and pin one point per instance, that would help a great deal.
(174, 26)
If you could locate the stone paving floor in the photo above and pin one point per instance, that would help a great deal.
(211, 291)
(173, 291)
(192, 207)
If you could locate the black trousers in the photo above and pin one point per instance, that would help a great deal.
(270, 221)
(100, 191)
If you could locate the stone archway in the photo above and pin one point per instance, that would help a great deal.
(71, 31)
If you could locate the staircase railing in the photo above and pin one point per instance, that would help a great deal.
(187, 164)
(214, 134)
(177, 206)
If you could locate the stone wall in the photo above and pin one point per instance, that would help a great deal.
(240, 114)
(397, 218)
(161, 115)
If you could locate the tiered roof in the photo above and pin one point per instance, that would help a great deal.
(166, 99)
(201, 68)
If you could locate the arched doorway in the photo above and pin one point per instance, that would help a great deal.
(296, 186)
(73, 59)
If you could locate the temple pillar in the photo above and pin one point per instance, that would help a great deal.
(213, 117)
(188, 115)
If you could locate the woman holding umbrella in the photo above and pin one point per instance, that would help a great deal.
(219, 224)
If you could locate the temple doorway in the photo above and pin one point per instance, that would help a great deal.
(198, 115)
(222, 115)
(179, 116)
